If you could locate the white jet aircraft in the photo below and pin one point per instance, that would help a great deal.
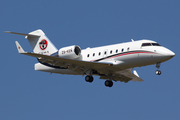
(112, 62)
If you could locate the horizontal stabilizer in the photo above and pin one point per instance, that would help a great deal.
(20, 49)
(38, 41)
(29, 35)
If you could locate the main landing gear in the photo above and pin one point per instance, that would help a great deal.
(108, 83)
(89, 78)
(158, 72)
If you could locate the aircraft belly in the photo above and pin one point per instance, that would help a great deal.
(149, 59)
(137, 60)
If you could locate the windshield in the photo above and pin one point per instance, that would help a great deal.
(150, 44)
(156, 44)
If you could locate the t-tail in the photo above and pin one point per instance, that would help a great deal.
(39, 42)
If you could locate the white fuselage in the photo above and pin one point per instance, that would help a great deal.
(123, 55)
(111, 62)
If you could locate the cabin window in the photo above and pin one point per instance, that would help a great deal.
(88, 55)
(105, 52)
(122, 50)
(99, 53)
(111, 52)
(128, 49)
(93, 54)
(117, 51)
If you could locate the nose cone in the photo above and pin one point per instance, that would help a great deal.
(165, 54)
(168, 53)
(171, 54)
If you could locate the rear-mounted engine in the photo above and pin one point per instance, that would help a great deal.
(70, 52)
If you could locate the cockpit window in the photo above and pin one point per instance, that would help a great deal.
(146, 44)
(150, 44)
(156, 44)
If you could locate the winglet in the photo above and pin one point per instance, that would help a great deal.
(20, 49)
(135, 73)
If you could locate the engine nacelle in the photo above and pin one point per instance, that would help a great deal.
(70, 52)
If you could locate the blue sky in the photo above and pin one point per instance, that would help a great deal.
(26, 94)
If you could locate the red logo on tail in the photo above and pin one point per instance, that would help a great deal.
(43, 44)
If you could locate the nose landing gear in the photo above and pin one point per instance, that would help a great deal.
(158, 72)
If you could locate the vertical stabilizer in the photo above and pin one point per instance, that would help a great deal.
(40, 43)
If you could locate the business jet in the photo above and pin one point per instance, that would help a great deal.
(111, 62)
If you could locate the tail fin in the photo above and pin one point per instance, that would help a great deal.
(39, 42)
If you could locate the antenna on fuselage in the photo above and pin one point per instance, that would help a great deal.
(132, 40)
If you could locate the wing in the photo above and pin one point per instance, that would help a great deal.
(123, 76)
(76, 65)
(82, 67)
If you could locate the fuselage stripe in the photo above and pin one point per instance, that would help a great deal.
(122, 54)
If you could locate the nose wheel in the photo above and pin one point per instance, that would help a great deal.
(158, 72)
